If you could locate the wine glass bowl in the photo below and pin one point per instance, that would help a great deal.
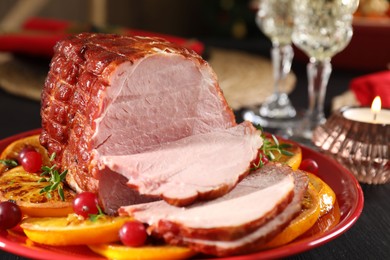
(322, 28)
(275, 19)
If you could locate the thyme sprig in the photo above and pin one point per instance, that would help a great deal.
(95, 217)
(9, 162)
(55, 179)
(272, 149)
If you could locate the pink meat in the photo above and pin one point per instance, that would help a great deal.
(259, 207)
(202, 166)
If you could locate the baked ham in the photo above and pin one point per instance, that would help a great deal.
(202, 166)
(135, 106)
(243, 220)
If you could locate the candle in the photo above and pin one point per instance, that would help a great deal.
(375, 115)
(376, 107)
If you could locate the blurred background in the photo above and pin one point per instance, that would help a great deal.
(222, 24)
(228, 18)
(205, 19)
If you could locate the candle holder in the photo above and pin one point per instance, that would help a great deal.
(361, 147)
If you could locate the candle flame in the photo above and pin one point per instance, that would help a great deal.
(376, 105)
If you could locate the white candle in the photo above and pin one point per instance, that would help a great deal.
(365, 114)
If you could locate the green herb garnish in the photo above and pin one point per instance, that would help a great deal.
(55, 179)
(9, 162)
(272, 149)
(95, 217)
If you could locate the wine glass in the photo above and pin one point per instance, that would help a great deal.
(275, 20)
(322, 28)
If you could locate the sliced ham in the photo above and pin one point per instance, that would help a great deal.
(202, 166)
(259, 207)
(118, 95)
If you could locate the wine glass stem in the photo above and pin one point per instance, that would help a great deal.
(282, 56)
(318, 76)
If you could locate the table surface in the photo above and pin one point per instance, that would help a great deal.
(369, 238)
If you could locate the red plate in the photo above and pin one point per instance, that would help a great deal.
(347, 189)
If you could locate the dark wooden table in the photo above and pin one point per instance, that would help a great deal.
(369, 238)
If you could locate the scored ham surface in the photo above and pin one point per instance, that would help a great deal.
(108, 95)
(196, 167)
(259, 207)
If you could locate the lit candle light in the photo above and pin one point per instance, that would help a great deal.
(373, 115)
(376, 106)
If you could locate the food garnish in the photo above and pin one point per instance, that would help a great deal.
(10, 215)
(73, 230)
(86, 204)
(272, 150)
(133, 233)
(31, 161)
(55, 179)
(9, 163)
(15, 151)
(122, 252)
(309, 165)
(23, 188)
(326, 195)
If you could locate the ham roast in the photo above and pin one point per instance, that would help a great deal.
(256, 210)
(144, 123)
(109, 97)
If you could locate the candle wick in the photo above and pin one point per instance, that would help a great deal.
(375, 114)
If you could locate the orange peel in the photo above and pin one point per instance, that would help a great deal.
(117, 251)
(23, 188)
(72, 230)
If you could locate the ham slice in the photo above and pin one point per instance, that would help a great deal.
(259, 207)
(202, 166)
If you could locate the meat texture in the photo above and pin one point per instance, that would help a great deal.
(202, 166)
(118, 95)
(256, 210)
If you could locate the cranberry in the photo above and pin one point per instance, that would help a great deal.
(85, 204)
(309, 165)
(133, 233)
(10, 215)
(32, 161)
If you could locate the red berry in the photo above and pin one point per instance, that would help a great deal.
(32, 161)
(133, 233)
(23, 152)
(10, 215)
(309, 165)
(85, 204)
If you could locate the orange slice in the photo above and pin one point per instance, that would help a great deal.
(293, 161)
(305, 220)
(117, 251)
(326, 195)
(72, 230)
(13, 149)
(318, 214)
(325, 223)
(24, 188)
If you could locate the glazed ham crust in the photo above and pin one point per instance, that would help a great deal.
(124, 95)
